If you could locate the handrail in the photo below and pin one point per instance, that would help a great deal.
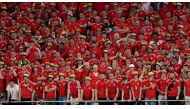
(86, 101)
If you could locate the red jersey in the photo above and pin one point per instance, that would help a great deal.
(25, 93)
(87, 91)
(62, 88)
(162, 85)
(74, 86)
(2, 84)
(39, 91)
(172, 88)
(52, 94)
(135, 86)
(112, 87)
(151, 92)
(187, 85)
(126, 89)
(101, 88)
(94, 78)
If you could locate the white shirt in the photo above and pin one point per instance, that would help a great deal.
(13, 91)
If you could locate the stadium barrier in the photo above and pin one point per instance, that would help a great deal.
(83, 101)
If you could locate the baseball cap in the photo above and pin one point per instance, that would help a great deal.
(26, 75)
(50, 76)
(131, 65)
(1, 63)
(72, 76)
(150, 74)
(87, 78)
(61, 74)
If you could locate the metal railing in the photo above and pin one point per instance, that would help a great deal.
(94, 101)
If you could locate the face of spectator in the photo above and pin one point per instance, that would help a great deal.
(163, 76)
(170, 27)
(55, 69)
(157, 67)
(97, 19)
(94, 13)
(102, 76)
(79, 62)
(103, 64)
(148, 66)
(93, 55)
(1, 66)
(95, 68)
(47, 66)
(151, 78)
(72, 79)
(1, 37)
(111, 76)
(172, 75)
(188, 75)
(35, 69)
(54, 14)
(73, 19)
(26, 79)
(139, 63)
(61, 78)
(68, 68)
(107, 7)
(135, 76)
(87, 82)
(128, 61)
(11, 83)
(39, 82)
(50, 79)
(118, 71)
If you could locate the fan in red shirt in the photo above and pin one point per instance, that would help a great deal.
(38, 90)
(161, 87)
(87, 91)
(74, 87)
(187, 88)
(173, 89)
(112, 89)
(100, 89)
(50, 89)
(94, 75)
(150, 89)
(136, 88)
(126, 91)
(26, 88)
(2, 72)
(62, 88)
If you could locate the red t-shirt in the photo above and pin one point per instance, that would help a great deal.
(25, 93)
(87, 91)
(112, 88)
(172, 91)
(52, 94)
(94, 78)
(101, 88)
(151, 92)
(126, 89)
(2, 84)
(187, 85)
(62, 88)
(74, 86)
(39, 91)
(162, 84)
(135, 86)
